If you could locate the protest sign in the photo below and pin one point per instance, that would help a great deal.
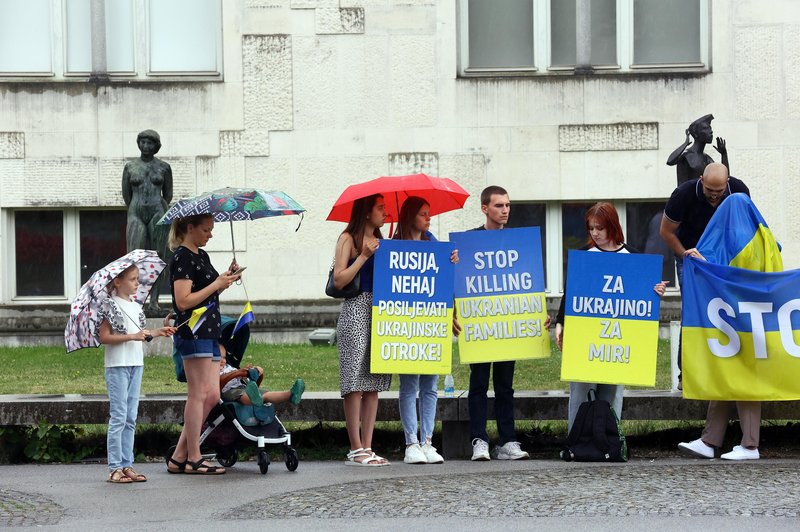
(412, 308)
(741, 333)
(611, 316)
(500, 300)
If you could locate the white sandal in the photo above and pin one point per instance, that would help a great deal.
(375, 456)
(369, 461)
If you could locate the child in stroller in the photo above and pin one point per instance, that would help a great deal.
(245, 415)
(242, 385)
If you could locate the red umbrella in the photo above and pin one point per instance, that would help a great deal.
(441, 193)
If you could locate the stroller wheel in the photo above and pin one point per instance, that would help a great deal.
(263, 462)
(227, 460)
(291, 459)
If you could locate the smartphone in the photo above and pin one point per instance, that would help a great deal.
(240, 270)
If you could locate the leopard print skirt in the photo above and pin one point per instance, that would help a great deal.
(353, 338)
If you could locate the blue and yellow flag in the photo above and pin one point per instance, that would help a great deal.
(738, 236)
(741, 314)
(198, 317)
(244, 318)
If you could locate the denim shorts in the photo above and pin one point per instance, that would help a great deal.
(193, 348)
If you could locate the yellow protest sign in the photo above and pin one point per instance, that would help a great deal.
(611, 318)
(500, 300)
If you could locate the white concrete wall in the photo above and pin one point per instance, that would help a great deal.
(319, 94)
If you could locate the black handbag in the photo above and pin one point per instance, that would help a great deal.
(352, 289)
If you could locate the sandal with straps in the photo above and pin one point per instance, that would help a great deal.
(133, 475)
(181, 466)
(202, 468)
(383, 460)
(366, 459)
(118, 477)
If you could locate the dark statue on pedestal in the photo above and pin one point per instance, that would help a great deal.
(147, 191)
(692, 161)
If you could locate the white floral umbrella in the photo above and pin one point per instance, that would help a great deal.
(84, 315)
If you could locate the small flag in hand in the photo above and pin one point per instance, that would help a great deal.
(246, 317)
(198, 317)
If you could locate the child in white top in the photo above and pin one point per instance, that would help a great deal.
(122, 332)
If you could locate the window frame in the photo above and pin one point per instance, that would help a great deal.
(72, 254)
(142, 50)
(542, 48)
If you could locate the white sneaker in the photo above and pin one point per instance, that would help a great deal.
(741, 453)
(510, 451)
(480, 450)
(696, 449)
(432, 456)
(414, 455)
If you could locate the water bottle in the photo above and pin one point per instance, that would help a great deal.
(449, 386)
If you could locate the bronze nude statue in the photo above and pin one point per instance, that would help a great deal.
(147, 191)
(692, 161)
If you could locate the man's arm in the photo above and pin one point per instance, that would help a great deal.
(668, 233)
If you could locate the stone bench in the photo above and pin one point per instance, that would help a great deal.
(453, 412)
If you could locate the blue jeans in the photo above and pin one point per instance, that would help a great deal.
(124, 384)
(427, 386)
(607, 392)
(503, 380)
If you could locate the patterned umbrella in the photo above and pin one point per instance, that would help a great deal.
(84, 317)
(235, 204)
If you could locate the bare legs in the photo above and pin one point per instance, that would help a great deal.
(202, 378)
(269, 397)
(360, 411)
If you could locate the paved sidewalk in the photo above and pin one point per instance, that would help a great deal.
(669, 494)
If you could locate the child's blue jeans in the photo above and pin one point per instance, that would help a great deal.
(124, 384)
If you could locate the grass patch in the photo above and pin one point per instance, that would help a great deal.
(48, 370)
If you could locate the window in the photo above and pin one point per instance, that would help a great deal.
(102, 239)
(531, 215)
(540, 37)
(114, 39)
(640, 222)
(643, 220)
(573, 230)
(55, 251)
(39, 253)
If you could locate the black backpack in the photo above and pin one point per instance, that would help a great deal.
(596, 435)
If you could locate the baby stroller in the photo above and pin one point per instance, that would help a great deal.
(231, 426)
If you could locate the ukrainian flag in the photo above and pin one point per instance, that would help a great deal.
(244, 318)
(741, 334)
(198, 317)
(738, 236)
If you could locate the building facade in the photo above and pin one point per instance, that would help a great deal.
(308, 96)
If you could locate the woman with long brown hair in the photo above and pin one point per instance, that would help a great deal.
(359, 387)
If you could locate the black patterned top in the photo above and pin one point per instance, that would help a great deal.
(195, 266)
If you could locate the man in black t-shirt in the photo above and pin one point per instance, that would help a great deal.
(689, 210)
(496, 206)
(691, 207)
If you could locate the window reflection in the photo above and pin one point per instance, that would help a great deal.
(531, 215)
(39, 253)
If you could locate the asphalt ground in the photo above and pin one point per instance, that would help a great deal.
(543, 494)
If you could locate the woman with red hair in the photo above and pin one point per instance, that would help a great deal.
(604, 235)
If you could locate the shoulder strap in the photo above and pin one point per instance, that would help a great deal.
(599, 416)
